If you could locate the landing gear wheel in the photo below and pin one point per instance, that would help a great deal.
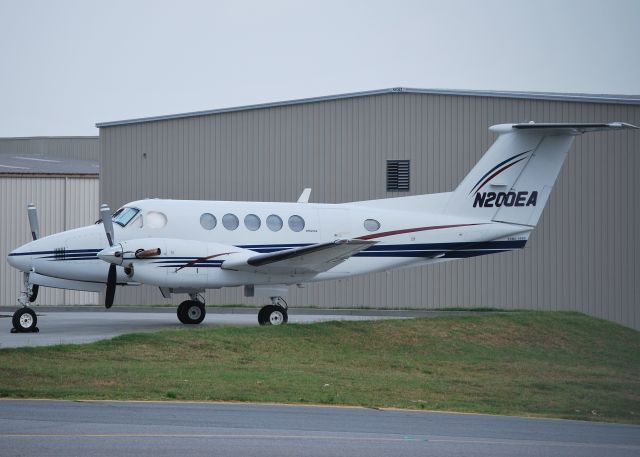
(273, 315)
(25, 320)
(191, 312)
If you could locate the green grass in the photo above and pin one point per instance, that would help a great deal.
(551, 364)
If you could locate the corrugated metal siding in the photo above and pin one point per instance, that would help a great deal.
(82, 148)
(63, 204)
(582, 256)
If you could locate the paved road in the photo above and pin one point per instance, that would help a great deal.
(63, 428)
(58, 327)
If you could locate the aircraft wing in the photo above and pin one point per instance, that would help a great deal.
(305, 260)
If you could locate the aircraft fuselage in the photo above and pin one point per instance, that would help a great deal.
(403, 238)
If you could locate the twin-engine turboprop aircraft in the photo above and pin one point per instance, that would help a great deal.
(190, 246)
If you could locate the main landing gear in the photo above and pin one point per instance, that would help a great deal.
(192, 311)
(24, 319)
(275, 313)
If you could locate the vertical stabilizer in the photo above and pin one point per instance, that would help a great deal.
(513, 180)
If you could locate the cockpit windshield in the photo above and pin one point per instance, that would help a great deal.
(124, 215)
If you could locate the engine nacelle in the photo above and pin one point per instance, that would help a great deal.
(174, 263)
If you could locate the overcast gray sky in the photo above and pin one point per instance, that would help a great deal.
(68, 64)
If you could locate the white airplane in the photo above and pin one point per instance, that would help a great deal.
(184, 246)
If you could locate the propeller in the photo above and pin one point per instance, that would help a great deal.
(111, 286)
(107, 222)
(32, 213)
(105, 215)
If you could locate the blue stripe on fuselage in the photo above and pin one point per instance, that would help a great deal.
(67, 251)
(449, 250)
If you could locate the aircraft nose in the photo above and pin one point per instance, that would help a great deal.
(112, 254)
(20, 258)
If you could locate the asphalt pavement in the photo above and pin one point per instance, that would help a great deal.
(64, 326)
(97, 428)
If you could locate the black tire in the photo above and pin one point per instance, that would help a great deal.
(191, 312)
(34, 293)
(24, 320)
(180, 312)
(262, 315)
(273, 315)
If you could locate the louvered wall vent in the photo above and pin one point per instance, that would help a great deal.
(397, 175)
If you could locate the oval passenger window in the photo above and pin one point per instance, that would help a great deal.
(252, 222)
(296, 223)
(155, 219)
(208, 221)
(371, 225)
(274, 223)
(230, 221)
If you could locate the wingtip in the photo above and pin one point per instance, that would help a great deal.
(623, 125)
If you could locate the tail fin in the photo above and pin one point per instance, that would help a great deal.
(512, 181)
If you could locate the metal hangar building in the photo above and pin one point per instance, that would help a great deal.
(58, 174)
(396, 142)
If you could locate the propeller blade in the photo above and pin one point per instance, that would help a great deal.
(32, 213)
(111, 287)
(105, 215)
(146, 253)
(34, 293)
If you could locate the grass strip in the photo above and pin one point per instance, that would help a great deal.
(553, 364)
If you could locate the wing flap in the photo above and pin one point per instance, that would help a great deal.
(304, 260)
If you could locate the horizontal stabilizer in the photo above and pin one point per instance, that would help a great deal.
(305, 260)
(575, 129)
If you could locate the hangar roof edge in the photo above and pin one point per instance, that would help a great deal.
(583, 98)
(55, 137)
(17, 164)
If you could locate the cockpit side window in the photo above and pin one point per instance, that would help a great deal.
(124, 215)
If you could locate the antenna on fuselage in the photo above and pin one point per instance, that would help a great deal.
(304, 196)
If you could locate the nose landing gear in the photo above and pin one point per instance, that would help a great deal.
(24, 319)
(275, 313)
